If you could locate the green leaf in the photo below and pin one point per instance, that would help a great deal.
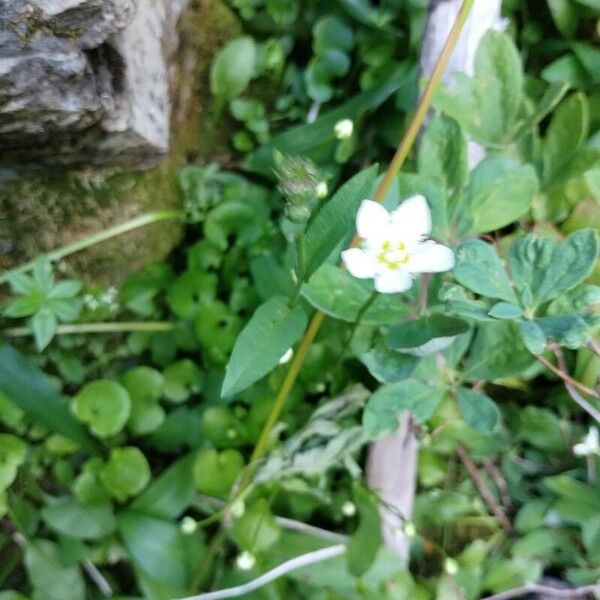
(443, 154)
(388, 366)
(23, 307)
(331, 33)
(256, 530)
(68, 517)
(126, 472)
(273, 329)
(29, 389)
(499, 81)
(65, 289)
(189, 291)
(43, 324)
(334, 224)
(233, 68)
(533, 336)
(335, 292)
(12, 455)
(425, 335)
(169, 494)
(564, 16)
(572, 262)
(20, 283)
(216, 472)
(104, 405)
(51, 580)
(145, 417)
(43, 274)
(505, 310)
(182, 379)
(497, 351)
(479, 268)
(159, 549)
(572, 331)
(500, 192)
(366, 540)
(567, 132)
(478, 410)
(389, 402)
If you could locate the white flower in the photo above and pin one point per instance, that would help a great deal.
(395, 246)
(450, 566)
(590, 444)
(188, 525)
(343, 129)
(245, 561)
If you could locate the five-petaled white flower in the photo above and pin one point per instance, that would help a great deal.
(394, 245)
(590, 444)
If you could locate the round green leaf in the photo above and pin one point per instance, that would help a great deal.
(126, 473)
(144, 383)
(478, 411)
(233, 67)
(182, 379)
(104, 405)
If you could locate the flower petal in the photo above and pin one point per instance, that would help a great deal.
(431, 258)
(390, 282)
(413, 217)
(371, 220)
(360, 263)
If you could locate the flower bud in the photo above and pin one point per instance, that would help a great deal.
(322, 190)
(450, 566)
(237, 509)
(348, 509)
(343, 129)
(245, 561)
(188, 525)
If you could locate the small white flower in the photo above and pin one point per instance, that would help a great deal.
(245, 561)
(237, 509)
(348, 509)
(590, 444)
(409, 529)
(287, 356)
(322, 190)
(395, 246)
(343, 129)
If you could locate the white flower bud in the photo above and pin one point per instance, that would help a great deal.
(237, 509)
(188, 525)
(245, 561)
(322, 190)
(409, 529)
(343, 129)
(450, 566)
(348, 509)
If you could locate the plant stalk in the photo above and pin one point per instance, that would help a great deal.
(112, 327)
(101, 236)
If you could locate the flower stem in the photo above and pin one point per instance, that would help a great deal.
(114, 327)
(96, 238)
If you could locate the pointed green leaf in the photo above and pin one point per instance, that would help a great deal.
(366, 540)
(533, 336)
(334, 225)
(273, 329)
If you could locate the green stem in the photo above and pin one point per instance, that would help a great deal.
(101, 236)
(114, 327)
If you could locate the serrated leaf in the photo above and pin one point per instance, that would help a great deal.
(479, 268)
(273, 329)
(335, 292)
(386, 406)
(478, 410)
(425, 335)
(334, 224)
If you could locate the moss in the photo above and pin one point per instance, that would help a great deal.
(41, 213)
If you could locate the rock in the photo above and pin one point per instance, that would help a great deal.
(49, 208)
(85, 82)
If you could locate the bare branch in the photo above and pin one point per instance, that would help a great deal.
(532, 588)
(283, 569)
(567, 378)
(483, 489)
(495, 473)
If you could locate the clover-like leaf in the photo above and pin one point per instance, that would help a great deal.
(104, 405)
(478, 410)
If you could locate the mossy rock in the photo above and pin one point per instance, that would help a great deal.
(45, 211)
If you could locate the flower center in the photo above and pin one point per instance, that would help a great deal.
(393, 255)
